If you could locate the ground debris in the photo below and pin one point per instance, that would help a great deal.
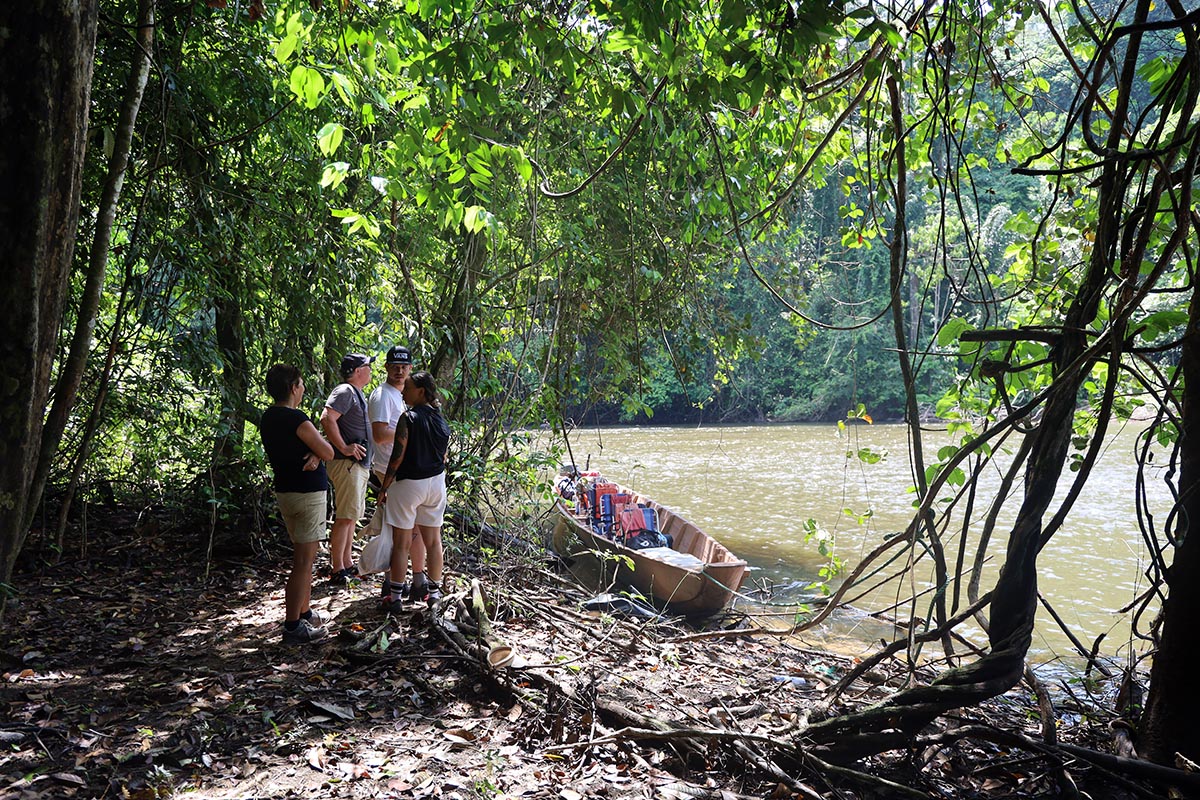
(152, 681)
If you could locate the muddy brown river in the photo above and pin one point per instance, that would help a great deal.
(754, 488)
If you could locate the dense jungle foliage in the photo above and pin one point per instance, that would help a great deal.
(628, 211)
(309, 180)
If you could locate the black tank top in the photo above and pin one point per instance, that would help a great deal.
(428, 437)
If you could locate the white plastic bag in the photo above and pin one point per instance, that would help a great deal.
(376, 523)
(376, 554)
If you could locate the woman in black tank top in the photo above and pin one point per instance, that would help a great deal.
(417, 467)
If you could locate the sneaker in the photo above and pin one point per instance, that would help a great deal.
(393, 606)
(433, 593)
(314, 619)
(385, 588)
(305, 632)
(344, 577)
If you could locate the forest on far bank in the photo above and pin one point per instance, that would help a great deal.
(625, 211)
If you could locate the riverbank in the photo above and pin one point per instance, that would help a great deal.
(131, 674)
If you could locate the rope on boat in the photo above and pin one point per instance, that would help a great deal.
(765, 603)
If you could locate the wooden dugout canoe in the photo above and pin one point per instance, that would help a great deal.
(696, 576)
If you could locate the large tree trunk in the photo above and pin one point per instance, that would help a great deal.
(228, 290)
(1169, 724)
(46, 63)
(70, 374)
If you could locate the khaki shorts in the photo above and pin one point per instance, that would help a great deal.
(349, 479)
(416, 502)
(303, 514)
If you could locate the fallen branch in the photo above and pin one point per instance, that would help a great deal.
(891, 788)
(1145, 770)
(633, 725)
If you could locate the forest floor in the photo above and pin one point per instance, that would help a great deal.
(140, 672)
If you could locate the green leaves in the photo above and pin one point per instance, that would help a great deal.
(951, 330)
(285, 48)
(481, 173)
(880, 28)
(356, 222)
(294, 33)
(334, 174)
(1159, 323)
(868, 456)
(308, 85)
(330, 137)
(476, 219)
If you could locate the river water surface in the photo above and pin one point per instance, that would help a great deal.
(753, 488)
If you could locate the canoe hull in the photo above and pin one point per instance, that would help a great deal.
(699, 588)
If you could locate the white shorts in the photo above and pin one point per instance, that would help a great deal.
(416, 502)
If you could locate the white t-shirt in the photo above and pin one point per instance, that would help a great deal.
(386, 405)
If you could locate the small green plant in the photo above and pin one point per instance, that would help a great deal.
(834, 565)
(160, 781)
(805, 610)
(485, 786)
(614, 559)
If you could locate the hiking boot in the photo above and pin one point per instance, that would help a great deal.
(304, 633)
(393, 605)
(344, 577)
(433, 593)
(387, 587)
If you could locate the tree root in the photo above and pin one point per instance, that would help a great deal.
(1113, 765)
(629, 725)
(583, 717)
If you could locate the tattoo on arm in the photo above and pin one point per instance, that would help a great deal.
(399, 445)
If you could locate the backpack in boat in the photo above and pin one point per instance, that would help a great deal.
(647, 539)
